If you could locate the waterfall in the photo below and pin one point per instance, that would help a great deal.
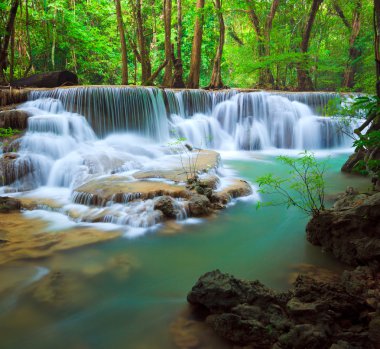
(100, 138)
(228, 120)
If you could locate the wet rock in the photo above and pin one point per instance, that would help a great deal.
(305, 336)
(11, 96)
(352, 232)
(312, 315)
(59, 290)
(30, 238)
(206, 161)
(209, 181)
(8, 204)
(199, 205)
(236, 188)
(13, 167)
(166, 205)
(374, 330)
(349, 200)
(15, 118)
(120, 189)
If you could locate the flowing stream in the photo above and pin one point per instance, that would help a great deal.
(131, 292)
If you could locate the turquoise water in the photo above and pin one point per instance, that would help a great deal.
(132, 293)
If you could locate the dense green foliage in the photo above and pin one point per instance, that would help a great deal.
(8, 132)
(82, 36)
(304, 188)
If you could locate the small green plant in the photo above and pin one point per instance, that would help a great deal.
(304, 188)
(8, 132)
(188, 157)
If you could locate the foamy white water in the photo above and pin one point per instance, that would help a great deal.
(76, 135)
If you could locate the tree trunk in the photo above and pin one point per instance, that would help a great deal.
(267, 76)
(263, 39)
(12, 57)
(151, 79)
(146, 68)
(216, 77)
(304, 81)
(177, 62)
(377, 47)
(168, 45)
(5, 43)
(28, 37)
(354, 51)
(195, 61)
(54, 33)
(124, 57)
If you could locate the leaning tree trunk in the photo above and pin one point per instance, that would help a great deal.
(195, 61)
(168, 45)
(5, 43)
(373, 120)
(124, 58)
(216, 77)
(177, 62)
(304, 81)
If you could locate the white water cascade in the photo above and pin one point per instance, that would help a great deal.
(77, 134)
(226, 120)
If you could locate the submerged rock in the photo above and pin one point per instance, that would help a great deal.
(351, 231)
(8, 204)
(312, 315)
(30, 238)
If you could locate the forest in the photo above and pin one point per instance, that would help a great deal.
(266, 44)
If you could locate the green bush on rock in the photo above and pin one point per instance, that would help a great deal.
(304, 188)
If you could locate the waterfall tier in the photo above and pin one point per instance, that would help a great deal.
(228, 120)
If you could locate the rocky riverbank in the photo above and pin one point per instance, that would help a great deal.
(351, 230)
(313, 314)
(316, 312)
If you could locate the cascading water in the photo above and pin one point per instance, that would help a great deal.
(76, 135)
(226, 120)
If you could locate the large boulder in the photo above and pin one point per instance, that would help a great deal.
(167, 206)
(14, 118)
(199, 205)
(352, 231)
(50, 79)
(11, 96)
(14, 167)
(313, 314)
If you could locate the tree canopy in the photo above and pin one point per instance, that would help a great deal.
(248, 43)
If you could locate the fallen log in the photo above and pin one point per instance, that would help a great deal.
(49, 79)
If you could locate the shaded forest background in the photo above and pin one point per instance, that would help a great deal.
(282, 44)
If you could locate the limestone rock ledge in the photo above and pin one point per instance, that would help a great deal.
(313, 315)
(351, 230)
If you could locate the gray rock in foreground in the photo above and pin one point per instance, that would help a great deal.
(313, 315)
